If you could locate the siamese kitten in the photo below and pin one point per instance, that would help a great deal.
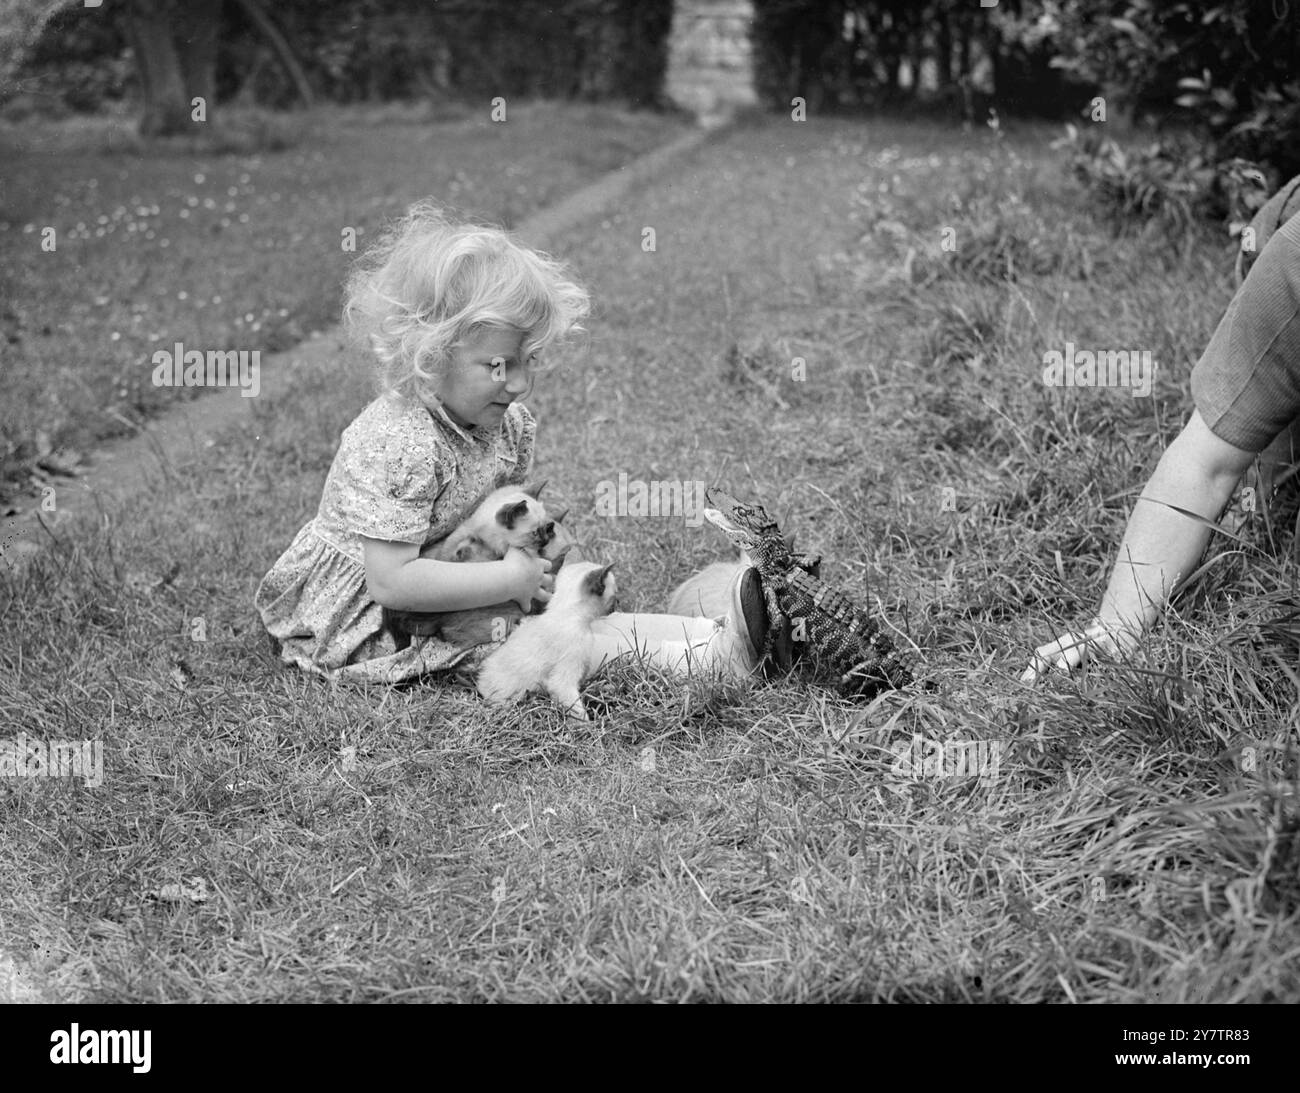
(554, 651)
(506, 517)
(509, 517)
(480, 625)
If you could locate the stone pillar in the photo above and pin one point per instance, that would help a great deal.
(710, 71)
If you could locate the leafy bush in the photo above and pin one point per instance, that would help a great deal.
(75, 63)
(382, 50)
(1224, 69)
(1173, 181)
(851, 53)
(1169, 180)
(394, 49)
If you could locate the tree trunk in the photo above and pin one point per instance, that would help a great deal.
(253, 9)
(915, 50)
(944, 59)
(195, 34)
(997, 63)
(166, 107)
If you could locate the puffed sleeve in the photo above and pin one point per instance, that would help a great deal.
(388, 481)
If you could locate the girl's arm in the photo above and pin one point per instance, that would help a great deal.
(399, 579)
(1160, 547)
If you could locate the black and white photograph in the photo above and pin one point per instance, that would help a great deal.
(651, 501)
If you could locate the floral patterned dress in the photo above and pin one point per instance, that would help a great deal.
(403, 473)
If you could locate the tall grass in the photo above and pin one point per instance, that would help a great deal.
(1137, 842)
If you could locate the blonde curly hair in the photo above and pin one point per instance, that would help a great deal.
(429, 284)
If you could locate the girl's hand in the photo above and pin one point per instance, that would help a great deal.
(1068, 651)
(529, 577)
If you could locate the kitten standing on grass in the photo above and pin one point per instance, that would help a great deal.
(554, 651)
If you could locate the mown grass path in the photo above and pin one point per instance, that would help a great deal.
(111, 255)
(764, 842)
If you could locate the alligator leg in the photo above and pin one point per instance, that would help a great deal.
(809, 563)
(777, 623)
(865, 676)
(788, 649)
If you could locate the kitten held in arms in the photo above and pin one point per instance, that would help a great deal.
(511, 516)
(554, 651)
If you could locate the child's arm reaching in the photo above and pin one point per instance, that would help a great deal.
(399, 579)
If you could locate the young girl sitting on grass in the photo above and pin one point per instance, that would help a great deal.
(458, 317)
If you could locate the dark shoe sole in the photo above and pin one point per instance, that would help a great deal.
(754, 613)
(784, 651)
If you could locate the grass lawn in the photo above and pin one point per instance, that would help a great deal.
(261, 836)
(234, 251)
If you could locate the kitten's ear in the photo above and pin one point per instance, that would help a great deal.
(594, 582)
(507, 515)
(534, 489)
